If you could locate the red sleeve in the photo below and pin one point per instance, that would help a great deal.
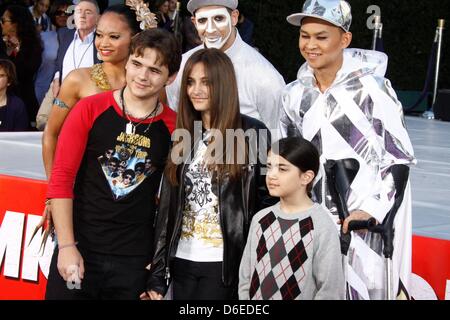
(71, 147)
(170, 118)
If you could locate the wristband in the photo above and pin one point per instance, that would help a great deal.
(67, 245)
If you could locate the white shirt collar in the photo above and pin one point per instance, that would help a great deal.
(87, 40)
(237, 44)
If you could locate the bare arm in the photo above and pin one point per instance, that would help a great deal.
(69, 94)
(69, 258)
(69, 153)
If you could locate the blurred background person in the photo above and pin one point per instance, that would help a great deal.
(186, 29)
(13, 114)
(24, 49)
(172, 9)
(162, 13)
(39, 13)
(58, 16)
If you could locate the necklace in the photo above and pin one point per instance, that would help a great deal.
(82, 57)
(99, 77)
(130, 127)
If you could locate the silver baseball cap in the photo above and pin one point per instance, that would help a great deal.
(193, 5)
(337, 12)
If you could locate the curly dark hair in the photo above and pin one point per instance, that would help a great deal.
(30, 41)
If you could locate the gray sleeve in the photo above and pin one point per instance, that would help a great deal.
(327, 261)
(245, 268)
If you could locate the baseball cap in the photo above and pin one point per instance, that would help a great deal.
(337, 12)
(193, 5)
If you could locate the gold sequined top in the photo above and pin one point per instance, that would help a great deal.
(99, 77)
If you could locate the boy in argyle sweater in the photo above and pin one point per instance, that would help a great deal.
(293, 250)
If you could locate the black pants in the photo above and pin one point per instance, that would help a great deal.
(106, 277)
(200, 281)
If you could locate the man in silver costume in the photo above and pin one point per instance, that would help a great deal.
(342, 102)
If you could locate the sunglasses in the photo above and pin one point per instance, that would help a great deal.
(3, 20)
(61, 13)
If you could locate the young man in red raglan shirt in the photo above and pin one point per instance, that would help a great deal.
(102, 214)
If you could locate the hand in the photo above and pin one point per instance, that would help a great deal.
(46, 220)
(12, 44)
(355, 215)
(151, 295)
(55, 87)
(46, 223)
(71, 264)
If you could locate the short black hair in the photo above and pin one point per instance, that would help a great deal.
(301, 153)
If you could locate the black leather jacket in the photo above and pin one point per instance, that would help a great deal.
(238, 201)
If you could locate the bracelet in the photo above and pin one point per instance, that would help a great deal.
(67, 245)
(48, 201)
(60, 103)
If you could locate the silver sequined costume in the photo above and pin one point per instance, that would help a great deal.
(358, 117)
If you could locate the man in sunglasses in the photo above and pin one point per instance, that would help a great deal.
(59, 14)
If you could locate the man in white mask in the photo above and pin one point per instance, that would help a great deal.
(260, 85)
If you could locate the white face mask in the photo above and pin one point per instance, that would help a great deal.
(214, 27)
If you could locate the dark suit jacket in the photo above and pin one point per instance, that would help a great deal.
(16, 115)
(65, 38)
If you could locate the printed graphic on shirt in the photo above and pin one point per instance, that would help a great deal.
(127, 164)
(201, 210)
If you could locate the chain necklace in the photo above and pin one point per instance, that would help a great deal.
(82, 57)
(130, 127)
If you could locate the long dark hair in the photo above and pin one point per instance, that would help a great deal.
(224, 108)
(301, 153)
(30, 41)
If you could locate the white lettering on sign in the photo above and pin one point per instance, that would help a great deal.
(447, 290)
(11, 232)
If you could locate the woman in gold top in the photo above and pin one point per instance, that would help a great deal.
(115, 29)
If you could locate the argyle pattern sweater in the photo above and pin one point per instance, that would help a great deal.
(292, 257)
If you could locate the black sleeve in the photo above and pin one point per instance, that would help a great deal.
(157, 281)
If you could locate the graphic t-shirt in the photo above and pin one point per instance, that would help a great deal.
(113, 176)
(201, 236)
